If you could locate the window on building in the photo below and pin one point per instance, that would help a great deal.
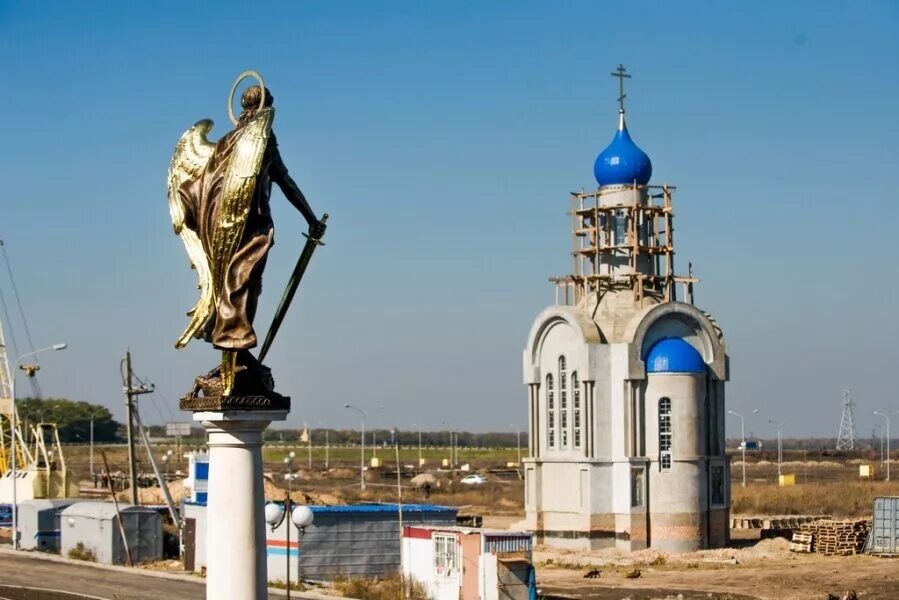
(620, 227)
(550, 412)
(664, 434)
(445, 558)
(576, 408)
(563, 402)
(717, 484)
(637, 487)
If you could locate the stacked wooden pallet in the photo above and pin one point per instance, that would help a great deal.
(831, 537)
(802, 542)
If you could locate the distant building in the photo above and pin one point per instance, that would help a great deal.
(197, 480)
(625, 380)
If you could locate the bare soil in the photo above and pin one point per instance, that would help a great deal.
(765, 570)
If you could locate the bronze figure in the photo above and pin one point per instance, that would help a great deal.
(219, 202)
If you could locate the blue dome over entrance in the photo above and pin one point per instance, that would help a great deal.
(673, 355)
(622, 162)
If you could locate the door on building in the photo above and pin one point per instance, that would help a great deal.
(471, 552)
(447, 567)
(190, 544)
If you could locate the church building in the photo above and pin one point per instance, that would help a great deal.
(625, 379)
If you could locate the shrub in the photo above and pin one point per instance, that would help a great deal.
(82, 552)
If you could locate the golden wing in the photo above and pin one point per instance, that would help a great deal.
(192, 152)
(237, 192)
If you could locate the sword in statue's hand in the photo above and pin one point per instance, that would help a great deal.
(311, 244)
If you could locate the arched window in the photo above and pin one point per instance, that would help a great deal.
(664, 434)
(576, 406)
(563, 402)
(550, 412)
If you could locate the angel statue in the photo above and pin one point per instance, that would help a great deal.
(219, 202)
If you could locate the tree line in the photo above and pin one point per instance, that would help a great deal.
(72, 419)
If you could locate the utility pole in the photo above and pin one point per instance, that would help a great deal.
(129, 406)
(130, 393)
(94, 481)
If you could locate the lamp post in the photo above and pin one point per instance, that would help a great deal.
(301, 516)
(419, 444)
(779, 446)
(452, 459)
(517, 441)
(742, 439)
(12, 434)
(362, 448)
(887, 417)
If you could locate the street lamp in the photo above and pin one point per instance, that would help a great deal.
(420, 463)
(452, 461)
(301, 516)
(779, 445)
(742, 439)
(327, 447)
(517, 441)
(887, 417)
(12, 434)
(362, 448)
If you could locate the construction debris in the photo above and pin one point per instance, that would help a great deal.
(831, 537)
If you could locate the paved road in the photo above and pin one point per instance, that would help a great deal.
(24, 570)
(90, 582)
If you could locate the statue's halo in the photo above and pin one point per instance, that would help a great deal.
(241, 77)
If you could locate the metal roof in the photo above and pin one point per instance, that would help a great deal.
(382, 508)
(101, 510)
(622, 162)
(674, 355)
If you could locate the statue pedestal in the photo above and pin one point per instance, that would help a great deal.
(235, 529)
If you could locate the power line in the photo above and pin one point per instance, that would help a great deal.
(15, 291)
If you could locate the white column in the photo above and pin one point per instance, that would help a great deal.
(235, 531)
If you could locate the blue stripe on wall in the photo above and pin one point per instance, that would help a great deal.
(282, 552)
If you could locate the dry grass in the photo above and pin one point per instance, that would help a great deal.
(494, 498)
(842, 499)
(387, 588)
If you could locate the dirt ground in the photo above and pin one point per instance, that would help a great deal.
(764, 570)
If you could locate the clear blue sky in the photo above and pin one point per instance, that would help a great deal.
(443, 139)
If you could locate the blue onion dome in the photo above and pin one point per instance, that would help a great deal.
(673, 355)
(622, 162)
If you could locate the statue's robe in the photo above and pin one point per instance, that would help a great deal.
(230, 326)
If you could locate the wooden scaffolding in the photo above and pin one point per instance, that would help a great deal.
(642, 260)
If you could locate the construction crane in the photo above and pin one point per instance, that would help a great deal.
(11, 440)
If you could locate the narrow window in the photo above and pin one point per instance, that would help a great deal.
(664, 434)
(550, 412)
(563, 402)
(718, 484)
(576, 391)
(620, 228)
(636, 487)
